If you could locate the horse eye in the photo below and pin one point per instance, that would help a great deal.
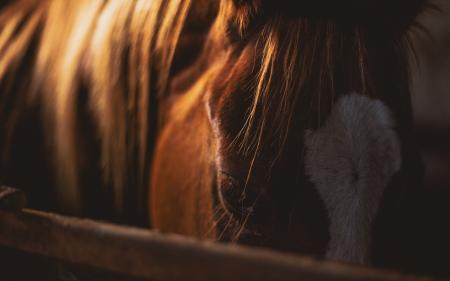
(231, 195)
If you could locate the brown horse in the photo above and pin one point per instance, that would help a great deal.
(274, 123)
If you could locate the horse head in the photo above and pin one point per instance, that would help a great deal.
(310, 113)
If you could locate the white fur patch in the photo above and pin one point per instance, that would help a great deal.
(351, 160)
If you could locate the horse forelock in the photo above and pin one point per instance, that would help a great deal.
(299, 55)
(290, 54)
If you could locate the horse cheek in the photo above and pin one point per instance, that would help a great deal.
(180, 192)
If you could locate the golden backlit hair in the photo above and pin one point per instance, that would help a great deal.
(108, 46)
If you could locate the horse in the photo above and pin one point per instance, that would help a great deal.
(303, 132)
(278, 124)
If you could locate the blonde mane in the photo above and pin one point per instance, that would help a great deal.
(109, 46)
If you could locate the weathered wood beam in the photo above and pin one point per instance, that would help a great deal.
(148, 254)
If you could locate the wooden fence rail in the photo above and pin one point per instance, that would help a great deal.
(148, 254)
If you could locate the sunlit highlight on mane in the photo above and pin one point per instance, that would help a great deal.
(110, 47)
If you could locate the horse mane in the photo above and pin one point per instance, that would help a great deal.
(114, 48)
(109, 48)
